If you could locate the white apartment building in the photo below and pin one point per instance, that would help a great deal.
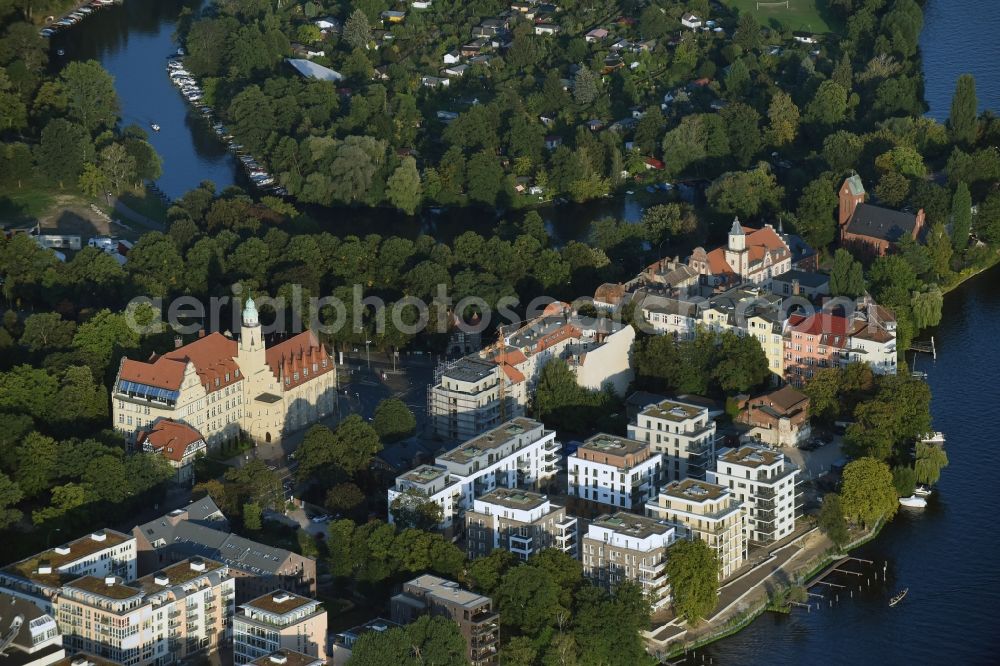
(765, 483)
(682, 433)
(624, 546)
(222, 387)
(464, 400)
(705, 511)
(480, 391)
(613, 470)
(669, 315)
(39, 578)
(167, 617)
(279, 621)
(520, 453)
(520, 521)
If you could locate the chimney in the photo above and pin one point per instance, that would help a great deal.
(178, 342)
(201, 333)
(795, 287)
(161, 578)
(44, 567)
(197, 564)
(99, 536)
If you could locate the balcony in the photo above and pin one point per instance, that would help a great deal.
(484, 622)
(654, 569)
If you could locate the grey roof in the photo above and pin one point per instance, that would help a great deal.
(12, 608)
(855, 186)
(204, 509)
(805, 278)
(470, 369)
(882, 223)
(737, 229)
(187, 539)
(311, 70)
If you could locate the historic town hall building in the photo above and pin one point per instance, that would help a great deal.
(221, 386)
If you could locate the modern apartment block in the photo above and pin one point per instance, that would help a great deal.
(706, 511)
(174, 615)
(682, 433)
(201, 530)
(39, 578)
(764, 481)
(613, 470)
(464, 400)
(28, 635)
(275, 622)
(520, 453)
(624, 546)
(480, 391)
(520, 521)
(473, 613)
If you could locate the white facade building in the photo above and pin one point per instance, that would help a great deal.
(624, 546)
(765, 482)
(520, 521)
(682, 433)
(613, 470)
(518, 454)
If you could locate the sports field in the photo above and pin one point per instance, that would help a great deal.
(806, 15)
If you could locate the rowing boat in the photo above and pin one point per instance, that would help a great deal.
(899, 597)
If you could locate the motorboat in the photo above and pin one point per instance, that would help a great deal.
(923, 491)
(913, 501)
(60, 52)
(933, 438)
(154, 127)
(898, 597)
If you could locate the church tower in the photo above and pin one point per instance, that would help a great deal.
(736, 251)
(251, 353)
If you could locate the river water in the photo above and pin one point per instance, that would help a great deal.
(943, 554)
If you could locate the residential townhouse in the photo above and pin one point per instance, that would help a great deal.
(751, 255)
(279, 621)
(812, 343)
(178, 614)
(627, 547)
(178, 442)
(519, 521)
(520, 453)
(613, 470)
(473, 613)
(705, 511)
(682, 433)
(779, 418)
(40, 577)
(766, 484)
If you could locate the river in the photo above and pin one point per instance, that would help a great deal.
(941, 554)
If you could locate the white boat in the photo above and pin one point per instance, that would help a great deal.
(933, 438)
(913, 502)
(155, 127)
(899, 597)
(923, 491)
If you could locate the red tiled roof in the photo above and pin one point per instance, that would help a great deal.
(162, 373)
(819, 324)
(610, 292)
(562, 333)
(169, 437)
(297, 356)
(513, 374)
(717, 263)
(213, 357)
(512, 357)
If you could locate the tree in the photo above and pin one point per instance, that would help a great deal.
(429, 640)
(92, 181)
(828, 106)
(745, 193)
(404, 186)
(393, 420)
(519, 651)
(961, 217)
(747, 33)
(783, 118)
(528, 599)
(693, 571)
(742, 363)
(91, 96)
(815, 213)
(252, 517)
(847, 276)
(37, 461)
(252, 117)
(742, 127)
(105, 335)
(64, 148)
(931, 459)
(47, 331)
(586, 86)
(10, 495)
(487, 572)
(411, 509)
(904, 479)
(824, 390)
(485, 178)
(831, 520)
(737, 79)
(892, 188)
(344, 498)
(117, 167)
(962, 123)
(926, 307)
(664, 221)
(867, 492)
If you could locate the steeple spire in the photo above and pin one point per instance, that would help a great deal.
(737, 229)
(250, 317)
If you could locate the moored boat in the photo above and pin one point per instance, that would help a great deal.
(923, 491)
(899, 597)
(913, 502)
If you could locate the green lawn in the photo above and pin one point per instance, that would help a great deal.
(25, 205)
(806, 15)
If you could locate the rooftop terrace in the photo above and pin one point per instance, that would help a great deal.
(178, 574)
(424, 474)
(61, 556)
(279, 602)
(694, 490)
(751, 456)
(613, 445)
(515, 499)
(633, 525)
(116, 590)
(490, 440)
(671, 410)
